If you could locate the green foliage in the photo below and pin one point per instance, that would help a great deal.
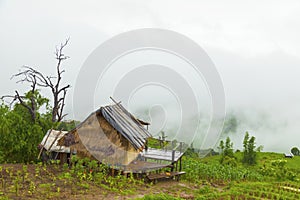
(90, 171)
(229, 161)
(249, 153)
(228, 150)
(259, 190)
(39, 99)
(197, 171)
(67, 125)
(204, 179)
(19, 134)
(295, 151)
(260, 148)
(190, 152)
(156, 143)
(278, 169)
(227, 154)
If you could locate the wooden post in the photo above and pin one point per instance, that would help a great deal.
(180, 167)
(54, 140)
(146, 146)
(44, 144)
(173, 155)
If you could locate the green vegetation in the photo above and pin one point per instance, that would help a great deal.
(67, 125)
(273, 177)
(227, 155)
(197, 171)
(39, 181)
(19, 133)
(249, 153)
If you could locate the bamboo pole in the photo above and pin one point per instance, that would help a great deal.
(44, 144)
(54, 140)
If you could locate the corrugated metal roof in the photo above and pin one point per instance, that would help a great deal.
(51, 138)
(126, 124)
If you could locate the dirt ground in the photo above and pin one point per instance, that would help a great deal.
(39, 182)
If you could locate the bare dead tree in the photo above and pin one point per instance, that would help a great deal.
(28, 75)
(59, 92)
(38, 79)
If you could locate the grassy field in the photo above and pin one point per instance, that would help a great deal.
(274, 177)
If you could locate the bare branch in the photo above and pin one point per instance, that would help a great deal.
(32, 110)
(64, 88)
(37, 79)
(13, 97)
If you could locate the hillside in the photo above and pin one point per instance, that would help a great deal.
(274, 177)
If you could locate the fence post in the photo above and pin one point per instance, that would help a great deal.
(173, 155)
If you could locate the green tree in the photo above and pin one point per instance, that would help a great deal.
(228, 150)
(249, 153)
(19, 134)
(245, 143)
(260, 148)
(221, 147)
(295, 151)
(227, 155)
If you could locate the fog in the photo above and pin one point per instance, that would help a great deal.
(255, 47)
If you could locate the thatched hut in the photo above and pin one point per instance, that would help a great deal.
(110, 135)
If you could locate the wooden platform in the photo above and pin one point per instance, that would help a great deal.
(143, 167)
(161, 154)
(165, 175)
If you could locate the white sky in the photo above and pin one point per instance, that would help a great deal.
(255, 46)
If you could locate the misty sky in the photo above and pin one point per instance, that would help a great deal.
(255, 46)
